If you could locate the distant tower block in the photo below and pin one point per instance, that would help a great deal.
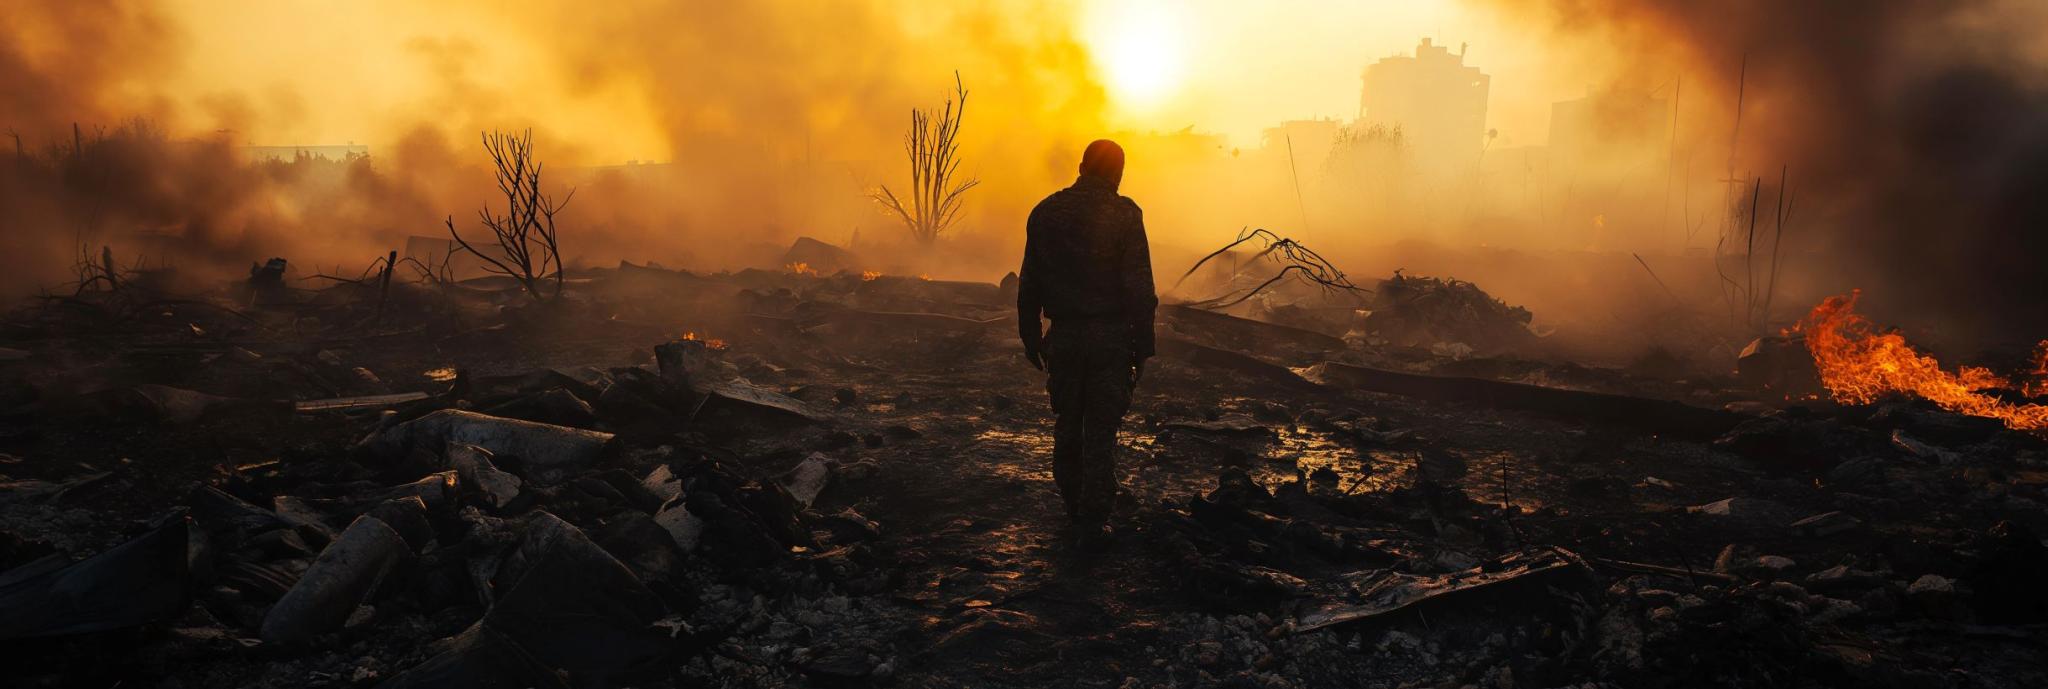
(1437, 100)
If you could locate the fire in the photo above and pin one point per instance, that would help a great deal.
(927, 277)
(870, 275)
(801, 268)
(1859, 365)
(713, 343)
(2037, 379)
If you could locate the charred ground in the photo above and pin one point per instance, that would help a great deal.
(835, 481)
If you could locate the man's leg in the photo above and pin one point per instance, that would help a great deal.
(1068, 464)
(1067, 390)
(1107, 397)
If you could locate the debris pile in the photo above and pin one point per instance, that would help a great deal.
(1443, 314)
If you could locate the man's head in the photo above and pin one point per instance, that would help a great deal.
(1104, 160)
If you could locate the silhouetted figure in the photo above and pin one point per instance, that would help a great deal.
(1088, 268)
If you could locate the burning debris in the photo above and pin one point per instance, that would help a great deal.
(1861, 365)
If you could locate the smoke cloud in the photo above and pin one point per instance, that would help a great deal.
(1915, 133)
(750, 123)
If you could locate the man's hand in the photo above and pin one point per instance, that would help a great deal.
(1137, 370)
(1033, 355)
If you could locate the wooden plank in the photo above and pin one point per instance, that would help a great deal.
(361, 402)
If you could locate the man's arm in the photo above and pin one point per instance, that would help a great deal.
(1029, 329)
(1140, 298)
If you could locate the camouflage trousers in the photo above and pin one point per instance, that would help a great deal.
(1089, 362)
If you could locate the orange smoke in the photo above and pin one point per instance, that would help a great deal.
(1859, 365)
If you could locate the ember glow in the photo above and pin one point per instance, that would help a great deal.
(1860, 365)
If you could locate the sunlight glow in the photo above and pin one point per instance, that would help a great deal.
(1139, 48)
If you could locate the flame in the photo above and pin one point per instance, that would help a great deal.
(2037, 379)
(801, 268)
(441, 375)
(869, 275)
(1860, 365)
(927, 277)
(713, 343)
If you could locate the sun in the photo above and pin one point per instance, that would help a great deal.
(1138, 48)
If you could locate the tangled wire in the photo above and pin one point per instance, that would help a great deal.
(1297, 261)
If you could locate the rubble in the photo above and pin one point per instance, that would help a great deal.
(142, 580)
(547, 450)
(473, 465)
(339, 580)
(842, 482)
(1415, 311)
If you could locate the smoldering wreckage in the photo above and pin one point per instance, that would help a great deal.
(817, 476)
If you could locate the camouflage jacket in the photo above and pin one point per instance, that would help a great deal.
(1086, 257)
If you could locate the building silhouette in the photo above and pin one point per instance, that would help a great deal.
(1437, 101)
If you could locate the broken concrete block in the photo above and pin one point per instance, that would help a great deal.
(662, 482)
(473, 465)
(1772, 565)
(1931, 584)
(339, 580)
(693, 364)
(545, 450)
(575, 607)
(807, 480)
(436, 490)
(740, 395)
(1779, 364)
(1923, 450)
(553, 406)
(407, 516)
(686, 528)
(300, 512)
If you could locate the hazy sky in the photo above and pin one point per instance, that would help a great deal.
(1239, 67)
(311, 71)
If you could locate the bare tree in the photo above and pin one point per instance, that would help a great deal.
(933, 147)
(527, 247)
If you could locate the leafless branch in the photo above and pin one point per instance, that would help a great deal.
(932, 145)
(1296, 261)
(528, 248)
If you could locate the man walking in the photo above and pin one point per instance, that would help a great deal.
(1088, 268)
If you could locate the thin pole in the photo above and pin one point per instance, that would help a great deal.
(1296, 174)
(1671, 154)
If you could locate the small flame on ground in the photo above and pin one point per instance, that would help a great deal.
(869, 275)
(713, 343)
(1859, 365)
(801, 268)
(2037, 378)
(927, 277)
(441, 375)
